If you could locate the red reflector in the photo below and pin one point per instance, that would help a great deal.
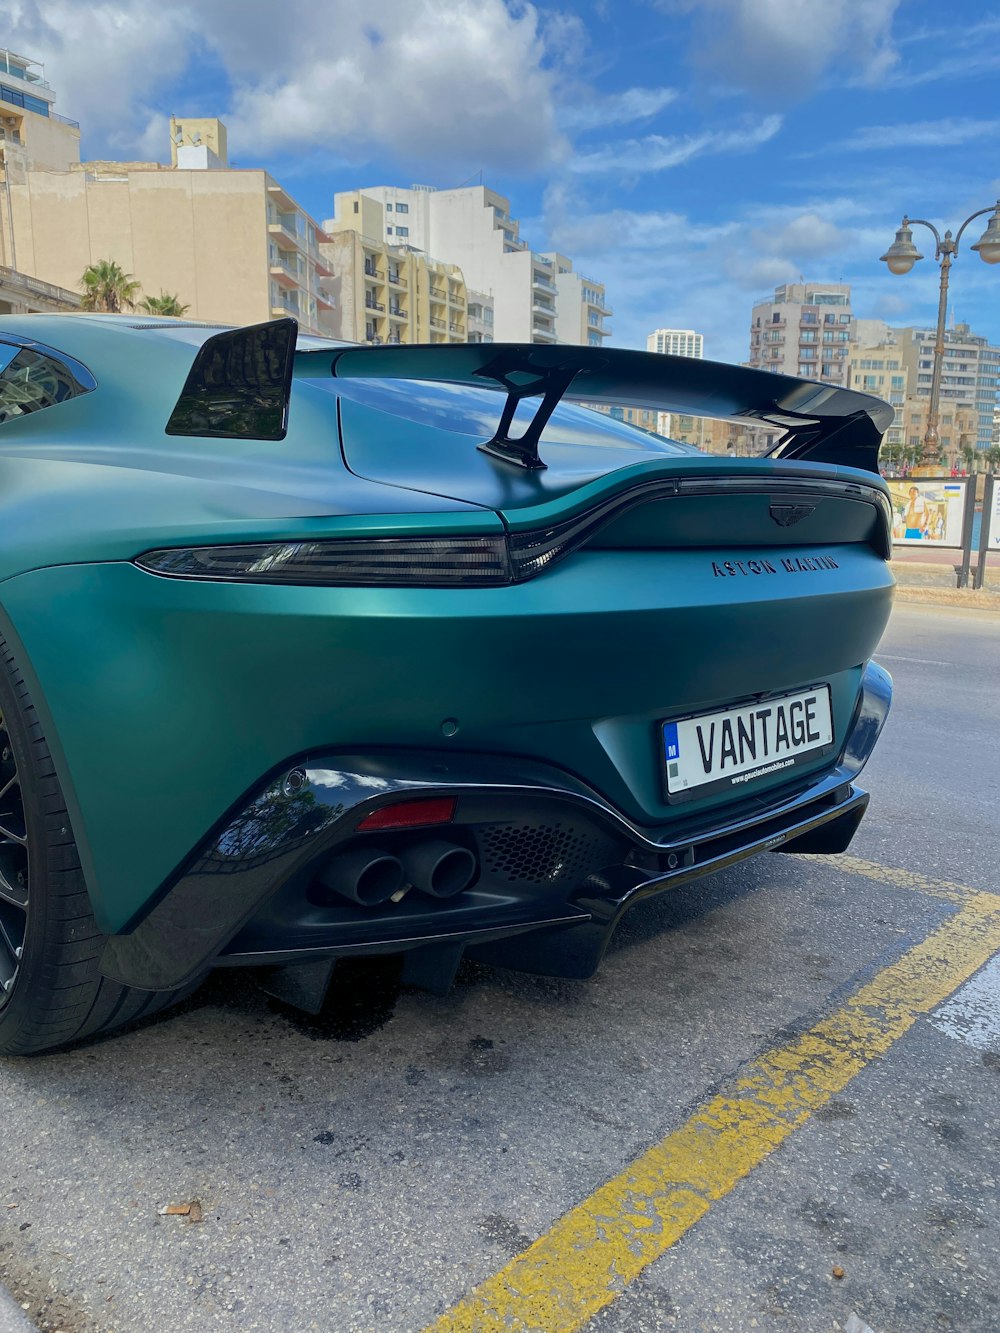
(410, 814)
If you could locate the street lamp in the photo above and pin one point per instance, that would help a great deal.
(900, 258)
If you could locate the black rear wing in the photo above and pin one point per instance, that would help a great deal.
(822, 423)
(240, 384)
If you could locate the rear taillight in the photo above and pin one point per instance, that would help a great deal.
(382, 561)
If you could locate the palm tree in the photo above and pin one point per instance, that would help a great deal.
(106, 286)
(164, 304)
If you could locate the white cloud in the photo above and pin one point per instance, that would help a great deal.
(779, 49)
(656, 152)
(589, 111)
(945, 133)
(807, 236)
(455, 84)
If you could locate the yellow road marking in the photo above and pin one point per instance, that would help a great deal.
(591, 1254)
(903, 879)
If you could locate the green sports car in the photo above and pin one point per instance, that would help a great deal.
(311, 650)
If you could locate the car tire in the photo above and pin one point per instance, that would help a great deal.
(51, 988)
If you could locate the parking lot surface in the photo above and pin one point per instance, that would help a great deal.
(776, 1106)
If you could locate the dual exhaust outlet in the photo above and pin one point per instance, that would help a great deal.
(371, 875)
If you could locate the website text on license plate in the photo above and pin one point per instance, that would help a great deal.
(733, 746)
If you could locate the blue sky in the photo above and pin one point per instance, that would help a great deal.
(688, 153)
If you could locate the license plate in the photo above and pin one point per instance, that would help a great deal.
(732, 748)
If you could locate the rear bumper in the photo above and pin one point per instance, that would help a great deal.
(558, 863)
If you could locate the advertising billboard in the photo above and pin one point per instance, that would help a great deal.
(928, 511)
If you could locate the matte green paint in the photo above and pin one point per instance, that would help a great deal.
(166, 701)
(172, 698)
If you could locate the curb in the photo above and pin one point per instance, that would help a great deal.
(965, 599)
(12, 1318)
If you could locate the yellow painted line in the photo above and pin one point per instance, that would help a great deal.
(903, 879)
(592, 1253)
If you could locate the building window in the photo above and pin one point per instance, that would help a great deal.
(844, 319)
(808, 337)
(402, 231)
(388, 208)
(355, 205)
(402, 208)
(776, 318)
(388, 231)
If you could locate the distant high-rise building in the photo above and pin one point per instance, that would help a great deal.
(676, 342)
(805, 330)
(537, 297)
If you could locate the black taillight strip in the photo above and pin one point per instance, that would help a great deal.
(461, 560)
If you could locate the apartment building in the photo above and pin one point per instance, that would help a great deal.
(31, 134)
(877, 367)
(232, 245)
(676, 342)
(385, 292)
(536, 297)
(970, 373)
(805, 330)
(890, 368)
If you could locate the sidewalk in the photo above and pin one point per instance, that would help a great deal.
(934, 585)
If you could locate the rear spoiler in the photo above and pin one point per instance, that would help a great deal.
(822, 423)
(240, 383)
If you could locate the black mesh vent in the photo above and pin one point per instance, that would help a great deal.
(541, 853)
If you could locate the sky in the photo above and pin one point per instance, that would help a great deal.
(690, 154)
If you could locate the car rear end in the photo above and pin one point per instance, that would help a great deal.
(622, 670)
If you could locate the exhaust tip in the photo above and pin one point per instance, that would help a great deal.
(368, 876)
(440, 869)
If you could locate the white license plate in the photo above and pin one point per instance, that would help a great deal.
(732, 748)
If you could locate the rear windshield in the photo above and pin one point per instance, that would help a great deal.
(476, 412)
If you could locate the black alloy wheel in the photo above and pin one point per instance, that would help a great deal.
(15, 874)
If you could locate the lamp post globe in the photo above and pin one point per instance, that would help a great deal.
(900, 258)
(988, 245)
(902, 254)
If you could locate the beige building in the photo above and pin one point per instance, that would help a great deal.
(536, 297)
(232, 245)
(21, 295)
(389, 293)
(804, 329)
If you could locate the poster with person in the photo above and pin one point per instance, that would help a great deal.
(991, 518)
(927, 511)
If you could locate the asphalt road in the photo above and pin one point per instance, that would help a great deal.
(367, 1171)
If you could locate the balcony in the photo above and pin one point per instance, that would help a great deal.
(283, 234)
(283, 274)
(437, 323)
(454, 328)
(377, 306)
(438, 294)
(543, 283)
(543, 336)
(374, 273)
(547, 311)
(397, 312)
(396, 278)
